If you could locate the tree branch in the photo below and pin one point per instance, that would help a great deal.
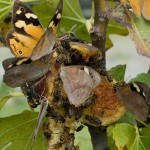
(98, 36)
(98, 138)
(98, 31)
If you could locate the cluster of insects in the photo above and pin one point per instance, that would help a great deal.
(65, 76)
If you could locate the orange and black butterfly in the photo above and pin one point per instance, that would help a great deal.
(28, 39)
(141, 7)
(27, 32)
(29, 42)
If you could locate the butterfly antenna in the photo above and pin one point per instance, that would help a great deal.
(128, 78)
(44, 105)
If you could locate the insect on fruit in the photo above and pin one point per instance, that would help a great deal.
(79, 81)
(135, 96)
(92, 119)
(27, 38)
(28, 41)
(23, 41)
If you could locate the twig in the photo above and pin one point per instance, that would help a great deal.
(98, 31)
(98, 138)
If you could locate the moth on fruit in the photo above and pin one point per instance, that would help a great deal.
(135, 96)
(79, 81)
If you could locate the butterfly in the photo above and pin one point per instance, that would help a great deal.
(29, 42)
(17, 75)
(27, 37)
(79, 81)
(141, 7)
(135, 96)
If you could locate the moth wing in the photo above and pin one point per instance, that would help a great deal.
(95, 77)
(47, 41)
(145, 89)
(26, 32)
(21, 74)
(44, 46)
(81, 88)
(78, 84)
(134, 102)
(44, 105)
(9, 62)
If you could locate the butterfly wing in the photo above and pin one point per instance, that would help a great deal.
(78, 83)
(134, 101)
(136, 5)
(44, 105)
(47, 41)
(20, 74)
(145, 9)
(14, 61)
(26, 31)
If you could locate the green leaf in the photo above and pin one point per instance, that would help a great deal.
(140, 32)
(118, 72)
(110, 140)
(130, 137)
(16, 132)
(124, 135)
(129, 118)
(83, 140)
(30, 1)
(5, 26)
(5, 7)
(5, 19)
(143, 77)
(5, 90)
(145, 136)
(72, 15)
(5, 94)
(4, 100)
(139, 28)
(114, 28)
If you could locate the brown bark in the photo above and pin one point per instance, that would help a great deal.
(98, 36)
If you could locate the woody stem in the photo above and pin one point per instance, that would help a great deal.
(98, 36)
(98, 31)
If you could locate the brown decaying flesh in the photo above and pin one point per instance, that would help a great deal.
(107, 106)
